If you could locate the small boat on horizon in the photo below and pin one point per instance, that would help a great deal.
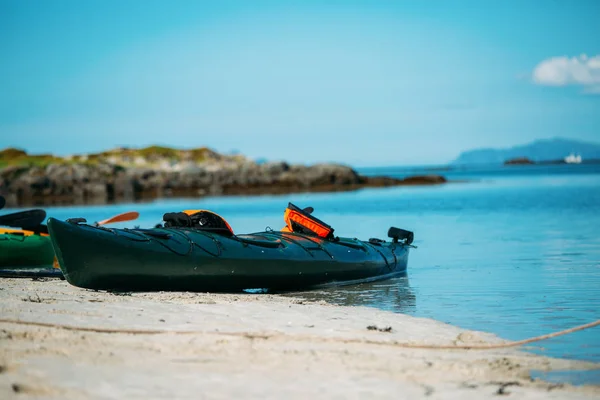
(573, 159)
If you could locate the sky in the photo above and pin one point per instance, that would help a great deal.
(364, 83)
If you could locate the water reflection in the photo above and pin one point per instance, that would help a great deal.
(391, 295)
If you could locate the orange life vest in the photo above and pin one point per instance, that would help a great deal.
(297, 220)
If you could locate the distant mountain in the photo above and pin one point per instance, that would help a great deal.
(537, 151)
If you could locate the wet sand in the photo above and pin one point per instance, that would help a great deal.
(247, 346)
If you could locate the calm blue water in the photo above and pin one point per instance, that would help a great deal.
(513, 251)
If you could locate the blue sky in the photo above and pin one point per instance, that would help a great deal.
(364, 83)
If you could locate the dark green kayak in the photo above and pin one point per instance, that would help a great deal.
(179, 258)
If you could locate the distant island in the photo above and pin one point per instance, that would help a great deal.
(557, 150)
(519, 161)
(126, 174)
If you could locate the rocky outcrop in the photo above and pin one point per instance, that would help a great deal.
(69, 183)
(208, 173)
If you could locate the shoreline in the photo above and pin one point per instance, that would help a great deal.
(67, 201)
(253, 345)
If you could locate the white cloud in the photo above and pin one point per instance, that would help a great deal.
(562, 71)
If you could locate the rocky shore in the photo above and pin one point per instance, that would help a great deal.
(137, 174)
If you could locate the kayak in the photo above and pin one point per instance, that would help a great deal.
(185, 258)
(23, 249)
(23, 244)
(28, 251)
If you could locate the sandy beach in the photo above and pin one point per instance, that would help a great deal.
(247, 346)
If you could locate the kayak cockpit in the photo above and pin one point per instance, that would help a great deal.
(297, 222)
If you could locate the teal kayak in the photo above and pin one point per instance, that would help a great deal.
(209, 259)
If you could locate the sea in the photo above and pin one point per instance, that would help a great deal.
(511, 250)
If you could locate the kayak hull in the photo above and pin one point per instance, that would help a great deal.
(23, 250)
(191, 260)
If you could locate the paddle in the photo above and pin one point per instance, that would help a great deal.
(2, 202)
(31, 220)
(123, 217)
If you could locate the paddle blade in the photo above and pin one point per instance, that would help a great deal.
(2, 202)
(128, 216)
(29, 220)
